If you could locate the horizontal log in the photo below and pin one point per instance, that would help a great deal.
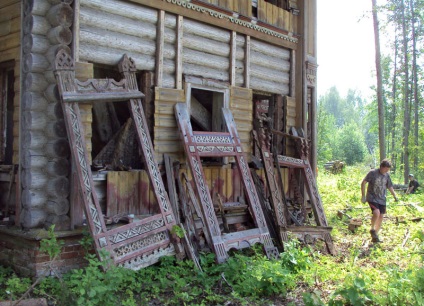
(28, 160)
(11, 54)
(34, 62)
(9, 41)
(33, 198)
(56, 129)
(40, 8)
(60, 1)
(268, 86)
(206, 45)
(60, 35)
(61, 14)
(57, 148)
(207, 31)
(58, 187)
(130, 10)
(58, 167)
(271, 62)
(52, 95)
(93, 18)
(33, 139)
(50, 77)
(5, 3)
(205, 60)
(61, 222)
(32, 218)
(106, 38)
(272, 75)
(32, 101)
(216, 74)
(54, 110)
(35, 82)
(269, 49)
(34, 178)
(35, 43)
(111, 56)
(9, 12)
(34, 24)
(57, 206)
(35, 120)
(9, 27)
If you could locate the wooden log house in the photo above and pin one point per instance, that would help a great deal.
(203, 55)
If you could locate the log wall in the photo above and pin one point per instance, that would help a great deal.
(269, 68)
(205, 48)
(10, 42)
(159, 42)
(45, 166)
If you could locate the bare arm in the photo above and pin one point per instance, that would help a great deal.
(392, 191)
(363, 184)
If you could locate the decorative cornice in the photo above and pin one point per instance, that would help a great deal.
(232, 19)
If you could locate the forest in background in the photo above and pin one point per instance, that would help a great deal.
(349, 126)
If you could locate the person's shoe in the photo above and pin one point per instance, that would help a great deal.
(374, 236)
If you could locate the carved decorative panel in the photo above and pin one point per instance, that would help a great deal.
(143, 241)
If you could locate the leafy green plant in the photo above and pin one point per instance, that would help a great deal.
(178, 230)
(51, 245)
(355, 294)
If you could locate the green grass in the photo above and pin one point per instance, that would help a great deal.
(361, 273)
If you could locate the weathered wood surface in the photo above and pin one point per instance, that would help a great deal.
(131, 245)
(166, 137)
(129, 192)
(241, 107)
(217, 144)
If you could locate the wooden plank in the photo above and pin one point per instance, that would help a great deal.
(179, 53)
(159, 48)
(167, 94)
(261, 10)
(275, 13)
(233, 52)
(247, 63)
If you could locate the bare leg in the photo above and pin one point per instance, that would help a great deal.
(375, 223)
(378, 222)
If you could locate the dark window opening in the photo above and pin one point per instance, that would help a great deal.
(114, 140)
(7, 79)
(206, 115)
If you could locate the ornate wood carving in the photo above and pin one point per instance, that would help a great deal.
(311, 74)
(277, 196)
(222, 144)
(142, 242)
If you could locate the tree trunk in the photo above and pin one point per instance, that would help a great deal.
(394, 110)
(406, 116)
(381, 134)
(415, 80)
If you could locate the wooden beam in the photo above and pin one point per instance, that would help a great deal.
(159, 47)
(233, 52)
(247, 63)
(179, 53)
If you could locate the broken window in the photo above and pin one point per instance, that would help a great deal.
(114, 144)
(205, 106)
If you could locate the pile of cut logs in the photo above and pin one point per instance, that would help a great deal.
(334, 166)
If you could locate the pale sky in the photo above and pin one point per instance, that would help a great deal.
(346, 52)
